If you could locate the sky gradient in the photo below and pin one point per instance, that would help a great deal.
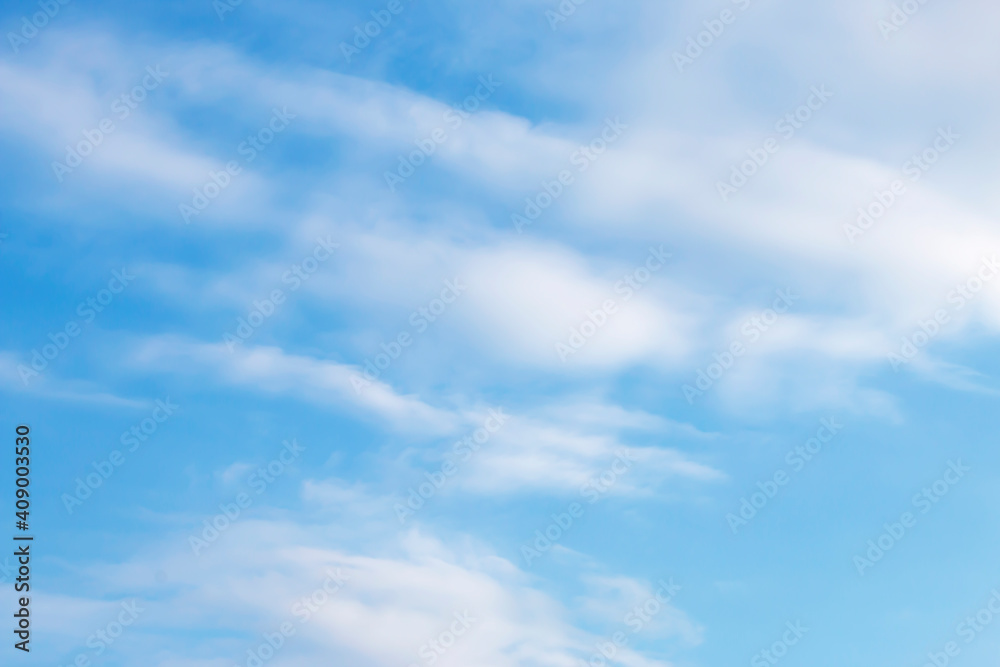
(525, 333)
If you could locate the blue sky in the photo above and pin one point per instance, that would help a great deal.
(528, 334)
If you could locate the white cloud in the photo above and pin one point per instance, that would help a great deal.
(535, 455)
(270, 370)
(46, 384)
(391, 604)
